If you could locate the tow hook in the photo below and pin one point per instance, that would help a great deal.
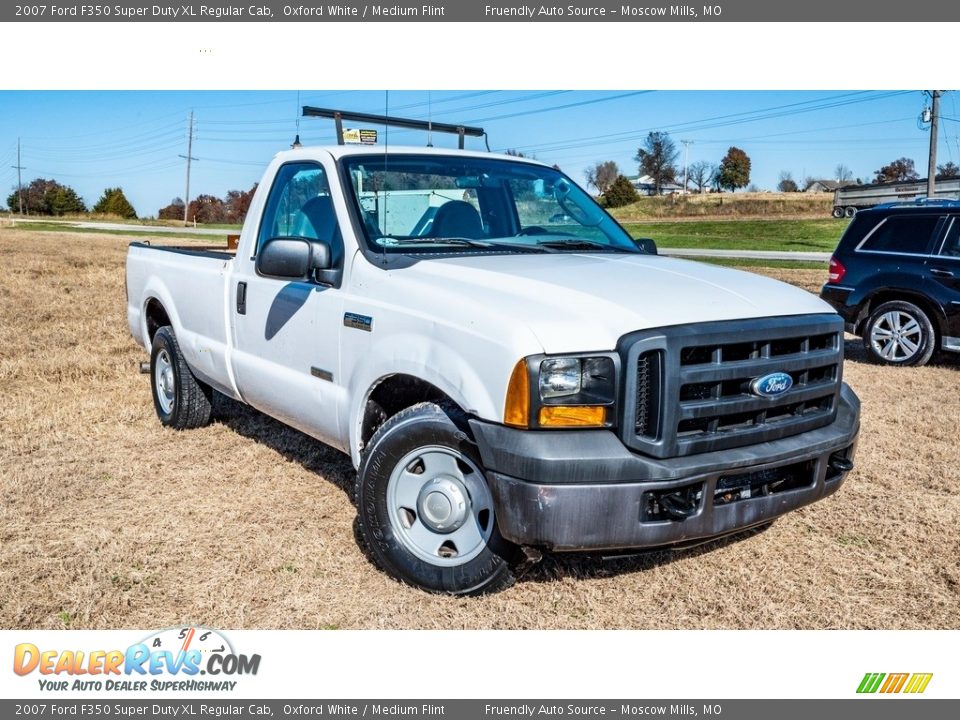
(840, 463)
(679, 505)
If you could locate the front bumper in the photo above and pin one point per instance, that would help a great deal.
(583, 490)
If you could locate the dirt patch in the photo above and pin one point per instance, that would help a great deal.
(109, 521)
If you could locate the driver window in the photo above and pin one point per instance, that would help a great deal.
(300, 205)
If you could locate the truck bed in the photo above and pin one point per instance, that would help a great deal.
(191, 283)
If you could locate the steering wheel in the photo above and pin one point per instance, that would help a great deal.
(533, 230)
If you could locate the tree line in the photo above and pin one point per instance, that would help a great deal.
(230, 209)
(657, 158)
(53, 199)
(902, 169)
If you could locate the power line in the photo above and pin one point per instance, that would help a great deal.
(19, 168)
(727, 120)
(189, 157)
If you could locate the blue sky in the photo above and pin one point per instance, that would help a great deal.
(97, 139)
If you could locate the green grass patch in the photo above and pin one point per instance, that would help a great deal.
(783, 235)
(759, 263)
(138, 234)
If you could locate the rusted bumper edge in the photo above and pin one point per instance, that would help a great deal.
(584, 490)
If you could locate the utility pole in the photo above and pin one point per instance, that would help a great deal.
(189, 157)
(932, 165)
(18, 167)
(686, 144)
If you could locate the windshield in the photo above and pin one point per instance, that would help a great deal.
(429, 203)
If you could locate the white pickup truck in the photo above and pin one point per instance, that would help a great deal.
(504, 364)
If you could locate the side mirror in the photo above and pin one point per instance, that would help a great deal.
(647, 245)
(291, 258)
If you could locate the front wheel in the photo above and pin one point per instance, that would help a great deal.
(899, 333)
(426, 515)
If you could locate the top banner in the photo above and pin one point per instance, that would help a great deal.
(481, 11)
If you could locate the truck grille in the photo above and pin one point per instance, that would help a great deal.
(688, 387)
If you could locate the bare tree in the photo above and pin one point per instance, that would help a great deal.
(699, 174)
(947, 171)
(787, 184)
(657, 158)
(602, 175)
(843, 173)
(900, 169)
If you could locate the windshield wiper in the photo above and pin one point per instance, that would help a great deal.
(467, 242)
(392, 241)
(573, 243)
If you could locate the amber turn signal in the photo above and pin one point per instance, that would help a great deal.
(516, 409)
(573, 416)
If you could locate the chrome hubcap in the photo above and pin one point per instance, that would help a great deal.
(439, 506)
(896, 336)
(164, 381)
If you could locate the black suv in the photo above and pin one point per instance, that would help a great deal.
(895, 278)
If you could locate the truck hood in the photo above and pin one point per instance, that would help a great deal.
(581, 302)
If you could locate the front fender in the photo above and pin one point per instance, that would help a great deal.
(477, 383)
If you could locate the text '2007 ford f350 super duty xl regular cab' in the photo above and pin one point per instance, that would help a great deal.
(505, 366)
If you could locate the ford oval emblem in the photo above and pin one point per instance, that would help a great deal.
(771, 385)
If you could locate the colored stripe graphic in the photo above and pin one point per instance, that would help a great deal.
(918, 683)
(894, 683)
(870, 682)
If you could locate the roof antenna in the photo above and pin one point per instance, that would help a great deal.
(296, 114)
(429, 121)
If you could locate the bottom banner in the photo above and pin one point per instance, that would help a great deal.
(876, 709)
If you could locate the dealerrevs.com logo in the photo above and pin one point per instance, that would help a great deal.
(909, 683)
(171, 659)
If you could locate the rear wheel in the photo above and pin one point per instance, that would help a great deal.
(849, 212)
(426, 515)
(181, 401)
(899, 333)
(838, 212)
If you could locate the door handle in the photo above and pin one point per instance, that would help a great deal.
(241, 298)
(941, 273)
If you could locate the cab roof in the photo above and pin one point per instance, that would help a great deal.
(339, 151)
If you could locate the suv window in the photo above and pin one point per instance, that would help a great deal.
(902, 234)
(951, 246)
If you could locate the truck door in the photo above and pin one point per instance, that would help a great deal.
(285, 333)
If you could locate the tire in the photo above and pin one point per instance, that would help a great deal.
(426, 515)
(838, 212)
(849, 212)
(182, 402)
(899, 333)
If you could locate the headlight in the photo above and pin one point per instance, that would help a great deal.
(571, 391)
(560, 377)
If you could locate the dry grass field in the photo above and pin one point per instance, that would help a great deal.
(108, 520)
(730, 206)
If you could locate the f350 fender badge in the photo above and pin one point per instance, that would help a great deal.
(358, 322)
(772, 385)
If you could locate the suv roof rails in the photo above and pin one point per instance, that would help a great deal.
(919, 202)
(426, 125)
